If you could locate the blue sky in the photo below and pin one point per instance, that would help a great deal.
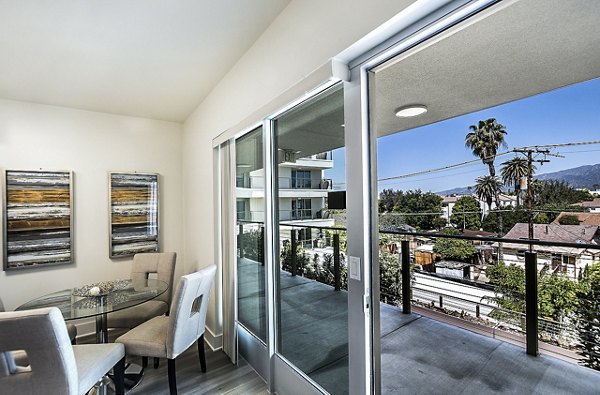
(570, 114)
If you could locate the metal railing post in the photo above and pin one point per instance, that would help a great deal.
(405, 251)
(336, 262)
(293, 252)
(441, 301)
(261, 246)
(531, 303)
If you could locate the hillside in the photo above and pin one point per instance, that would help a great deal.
(578, 177)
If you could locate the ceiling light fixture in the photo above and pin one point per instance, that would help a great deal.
(412, 110)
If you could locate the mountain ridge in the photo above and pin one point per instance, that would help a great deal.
(587, 176)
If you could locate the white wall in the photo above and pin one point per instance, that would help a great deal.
(303, 37)
(34, 136)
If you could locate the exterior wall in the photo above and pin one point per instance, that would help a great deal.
(302, 38)
(91, 144)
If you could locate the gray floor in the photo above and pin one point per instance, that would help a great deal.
(419, 355)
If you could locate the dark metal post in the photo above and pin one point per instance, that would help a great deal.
(261, 246)
(405, 251)
(441, 301)
(293, 252)
(336, 262)
(477, 313)
(531, 303)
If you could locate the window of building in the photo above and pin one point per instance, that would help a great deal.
(301, 209)
(301, 179)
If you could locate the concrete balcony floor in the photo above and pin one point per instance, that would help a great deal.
(419, 355)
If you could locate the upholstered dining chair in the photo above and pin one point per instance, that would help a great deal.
(20, 357)
(169, 336)
(55, 365)
(145, 264)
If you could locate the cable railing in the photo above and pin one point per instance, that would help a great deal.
(526, 301)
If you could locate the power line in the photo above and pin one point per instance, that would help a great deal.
(514, 150)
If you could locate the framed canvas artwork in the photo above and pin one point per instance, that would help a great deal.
(38, 218)
(133, 213)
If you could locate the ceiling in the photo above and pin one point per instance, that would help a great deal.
(150, 58)
(511, 51)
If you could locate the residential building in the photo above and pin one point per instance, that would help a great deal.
(592, 205)
(591, 218)
(568, 261)
(449, 202)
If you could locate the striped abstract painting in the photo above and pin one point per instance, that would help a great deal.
(37, 218)
(133, 213)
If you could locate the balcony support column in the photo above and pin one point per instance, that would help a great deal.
(531, 303)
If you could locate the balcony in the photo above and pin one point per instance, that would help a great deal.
(440, 333)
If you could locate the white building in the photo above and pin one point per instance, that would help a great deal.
(302, 193)
(449, 202)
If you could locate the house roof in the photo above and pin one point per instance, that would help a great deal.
(555, 232)
(580, 234)
(584, 218)
(590, 204)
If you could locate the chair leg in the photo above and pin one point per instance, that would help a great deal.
(171, 373)
(156, 362)
(119, 377)
(144, 362)
(201, 354)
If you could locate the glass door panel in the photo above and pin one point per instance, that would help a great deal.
(249, 195)
(312, 300)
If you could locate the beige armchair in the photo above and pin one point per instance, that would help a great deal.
(55, 366)
(163, 265)
(168, 337)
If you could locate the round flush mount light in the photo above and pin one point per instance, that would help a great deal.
(411, 111)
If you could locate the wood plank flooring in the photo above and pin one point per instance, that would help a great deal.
(221, 377)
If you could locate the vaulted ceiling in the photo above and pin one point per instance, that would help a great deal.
(150, 58)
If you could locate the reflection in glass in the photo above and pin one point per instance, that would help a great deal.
(249, 177)
(312, 301)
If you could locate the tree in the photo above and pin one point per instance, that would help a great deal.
(554, 192)
(486, 188)
(454, 249)
(568, 220)
(510, 217)
(557, 296)
(484, 140)
(512, 171)
(414, 208)
(588, 324)
(509, 286)
(466, 213)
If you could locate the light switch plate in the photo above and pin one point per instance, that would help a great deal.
(354, 266)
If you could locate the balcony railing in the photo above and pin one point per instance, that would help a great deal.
(258, 182)
(524, 302)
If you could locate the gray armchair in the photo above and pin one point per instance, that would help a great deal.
(55, 366)
(168, 337)
(144, 264)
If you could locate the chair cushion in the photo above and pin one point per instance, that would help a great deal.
(148, 339)
(134, 316)
(94, 361)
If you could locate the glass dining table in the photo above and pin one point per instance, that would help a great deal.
(97, 300)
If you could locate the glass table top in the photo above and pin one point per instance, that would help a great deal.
(73, 307)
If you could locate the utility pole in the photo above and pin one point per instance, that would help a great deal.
(528, 152)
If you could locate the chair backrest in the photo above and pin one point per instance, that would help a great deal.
(43, 335)
(160, 263)
(188, 310)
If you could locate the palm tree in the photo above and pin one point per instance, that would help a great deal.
(486, 188)
(484, 139)
(512, 171)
